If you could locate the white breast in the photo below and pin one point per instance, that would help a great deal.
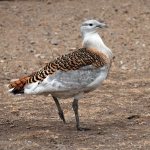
(93, 40)
(98, 81)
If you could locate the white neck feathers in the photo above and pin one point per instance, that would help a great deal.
(93, 40)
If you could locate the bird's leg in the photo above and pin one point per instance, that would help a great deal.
(75, 108)
(60, 111)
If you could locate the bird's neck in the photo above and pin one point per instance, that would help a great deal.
(93, 40)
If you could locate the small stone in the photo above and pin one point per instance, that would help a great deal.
(133, 117)
(123, 67)
(42, 56)
(46, 33)
(47, 131)
(49, 2)
(32, 42)
(1, 25)
(125, 11)
(1, 61)
(29, 142)
(121, 62)
(72, 49)
(12, 125)
(56, 33)
(15, 112)
(28, 127)
(137, 42)
(37, 55)
(116, 10)
(54, 42)
(31, 50)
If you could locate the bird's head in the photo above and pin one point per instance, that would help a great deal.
(91, 26)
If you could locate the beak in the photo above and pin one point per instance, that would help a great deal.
(102, 25)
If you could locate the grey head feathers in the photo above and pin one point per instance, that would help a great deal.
(90, 26)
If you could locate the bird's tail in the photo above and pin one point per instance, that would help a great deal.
(17, 86)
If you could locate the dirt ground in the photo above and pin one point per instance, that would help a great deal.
(118, 114)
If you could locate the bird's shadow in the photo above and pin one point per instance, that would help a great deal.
(22, 125)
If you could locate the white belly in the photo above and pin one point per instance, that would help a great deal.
(69, 84)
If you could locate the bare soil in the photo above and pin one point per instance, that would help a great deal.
(118, 113)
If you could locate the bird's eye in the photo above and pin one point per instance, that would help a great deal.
(90, 24)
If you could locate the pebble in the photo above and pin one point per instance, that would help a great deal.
(42, 56)
(46, 33)
(123, 67)
(29, 142)
(133, 117)
(1, 61)
(49, 2)
(72, 49)
(121, 62)
(32, 42)
(39, 56)
(54, 42)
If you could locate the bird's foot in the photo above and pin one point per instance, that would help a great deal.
(83, 129)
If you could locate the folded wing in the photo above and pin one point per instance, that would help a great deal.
(72, 61)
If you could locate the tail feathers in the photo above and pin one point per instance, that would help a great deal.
(16, 91)
(17, 87)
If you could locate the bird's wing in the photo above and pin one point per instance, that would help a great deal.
(72, 61)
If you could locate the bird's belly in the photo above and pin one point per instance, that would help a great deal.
(68, 84)
(86, 82)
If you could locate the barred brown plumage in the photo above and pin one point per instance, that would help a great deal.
(71, 61)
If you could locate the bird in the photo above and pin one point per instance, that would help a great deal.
(73, 74)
